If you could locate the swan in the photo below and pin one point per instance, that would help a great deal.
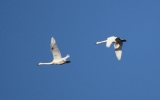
(58, 60)
(118, 42)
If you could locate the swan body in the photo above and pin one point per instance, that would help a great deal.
(118, 43)
(58, 60)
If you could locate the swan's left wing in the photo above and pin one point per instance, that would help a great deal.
(110, 40)
(54, 49)
(118, 50)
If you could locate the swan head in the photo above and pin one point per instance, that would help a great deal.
(98, 42)
(38, 64)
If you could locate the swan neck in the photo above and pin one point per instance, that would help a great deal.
(101, 42)
(45, 63)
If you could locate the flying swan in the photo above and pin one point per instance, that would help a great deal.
(118, 42)
(58, 60)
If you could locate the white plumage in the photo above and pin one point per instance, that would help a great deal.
(117, 45)
(57, 58)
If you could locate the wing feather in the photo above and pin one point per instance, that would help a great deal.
(110, 40)
(54, 49)
(118, 50)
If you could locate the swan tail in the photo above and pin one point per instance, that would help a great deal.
(66, 57)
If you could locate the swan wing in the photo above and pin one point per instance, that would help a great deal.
(110, 40)
(54, 49)
(118, 50)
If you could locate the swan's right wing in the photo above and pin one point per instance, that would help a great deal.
(54, 49)
(110, 40)
(118, 50)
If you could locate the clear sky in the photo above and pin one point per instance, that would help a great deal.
(26, 27)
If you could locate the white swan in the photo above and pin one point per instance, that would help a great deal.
(58, 60)
(118, 42)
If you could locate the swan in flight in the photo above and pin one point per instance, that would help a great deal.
(58, 60)
(118, 42)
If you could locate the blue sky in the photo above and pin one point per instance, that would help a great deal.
(94, 73)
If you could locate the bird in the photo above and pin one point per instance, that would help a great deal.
(118, 43)
(57, 58)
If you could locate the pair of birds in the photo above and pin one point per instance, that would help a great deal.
(58, 60)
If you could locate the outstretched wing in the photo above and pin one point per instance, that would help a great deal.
(54, 49)
(110, 40)
(118, 50)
